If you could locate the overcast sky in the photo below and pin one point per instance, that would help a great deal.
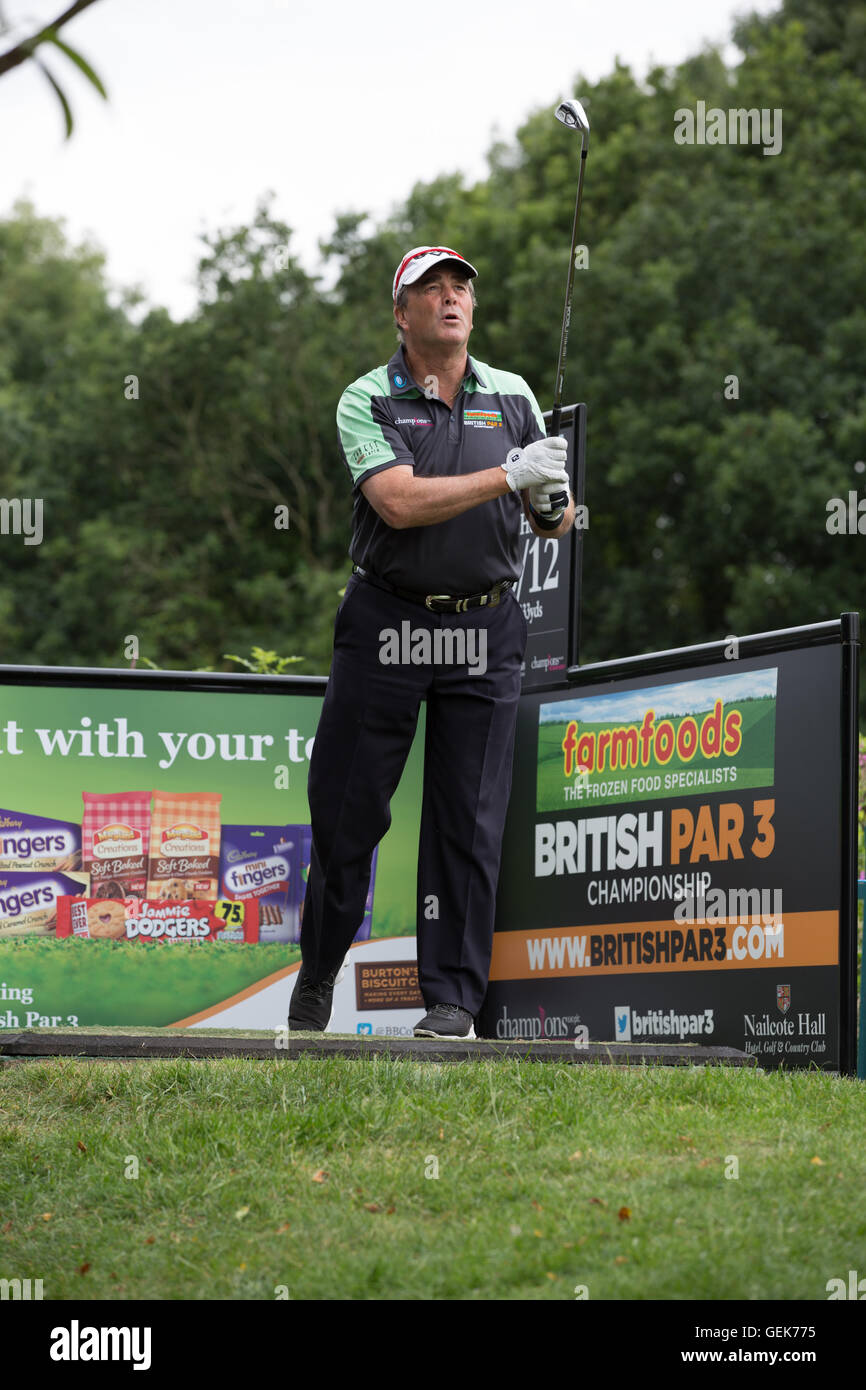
(330, 103)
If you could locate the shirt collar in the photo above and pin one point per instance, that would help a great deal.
(401, 380)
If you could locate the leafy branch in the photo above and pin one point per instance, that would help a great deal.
(264, 663)
(27, 49)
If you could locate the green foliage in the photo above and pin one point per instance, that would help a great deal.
(264, 663)
(706, 263)
(26, 51)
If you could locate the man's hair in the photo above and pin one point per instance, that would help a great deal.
(403, 295)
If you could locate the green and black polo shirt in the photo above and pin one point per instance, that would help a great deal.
(384, 419)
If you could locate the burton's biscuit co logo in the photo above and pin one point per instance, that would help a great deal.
(483, 419)
(689, 736)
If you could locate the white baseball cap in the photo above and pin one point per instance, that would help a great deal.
(421, 259)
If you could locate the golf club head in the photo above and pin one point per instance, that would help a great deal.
(572, 114)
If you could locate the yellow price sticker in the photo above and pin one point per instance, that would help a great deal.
(230, 911)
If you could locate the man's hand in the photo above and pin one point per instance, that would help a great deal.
(541, 462)
(540, 500)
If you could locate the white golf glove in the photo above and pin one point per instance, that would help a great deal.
(539, 499)
(541, 462)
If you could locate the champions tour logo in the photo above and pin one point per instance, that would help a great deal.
(545, 1025)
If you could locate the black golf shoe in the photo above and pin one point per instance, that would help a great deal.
(447, 1021)
(312, 1002)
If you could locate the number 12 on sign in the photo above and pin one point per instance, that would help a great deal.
(532, 549)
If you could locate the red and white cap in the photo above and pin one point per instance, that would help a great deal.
(421, 259)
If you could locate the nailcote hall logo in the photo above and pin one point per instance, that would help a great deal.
(783, 998)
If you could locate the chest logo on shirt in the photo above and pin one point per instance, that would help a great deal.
(483, 419)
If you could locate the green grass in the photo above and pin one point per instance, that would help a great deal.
(225, 1205)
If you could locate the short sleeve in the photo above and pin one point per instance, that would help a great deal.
(369, 440)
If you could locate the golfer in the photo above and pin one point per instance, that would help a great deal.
(441, 451)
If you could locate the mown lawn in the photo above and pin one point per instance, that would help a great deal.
(316, 1178)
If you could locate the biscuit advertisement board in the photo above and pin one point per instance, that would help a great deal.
(154, 846)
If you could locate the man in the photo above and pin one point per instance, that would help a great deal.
(438, 447)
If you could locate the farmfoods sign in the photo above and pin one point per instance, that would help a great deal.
(674, 864)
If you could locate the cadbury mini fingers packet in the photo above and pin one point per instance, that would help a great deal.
(184, 845)
(29, 903)
(261, 862)
(146, 919)
(38, 842)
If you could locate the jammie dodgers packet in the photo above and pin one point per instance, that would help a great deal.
(262, 862)
(38, 842)
(140, 919)
(184, 845)
(115, 838)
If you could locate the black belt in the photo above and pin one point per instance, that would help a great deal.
(439, 603)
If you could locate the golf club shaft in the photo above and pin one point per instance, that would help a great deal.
(562, 498)
(563, 341)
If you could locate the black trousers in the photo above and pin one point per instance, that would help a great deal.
(365, 732)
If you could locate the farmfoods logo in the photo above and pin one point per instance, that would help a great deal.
(689, 736)
(654, 743)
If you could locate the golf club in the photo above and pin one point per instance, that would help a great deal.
(572, 114)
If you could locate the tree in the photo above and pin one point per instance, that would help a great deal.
(718, 337)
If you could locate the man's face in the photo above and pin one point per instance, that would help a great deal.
(438, 309)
